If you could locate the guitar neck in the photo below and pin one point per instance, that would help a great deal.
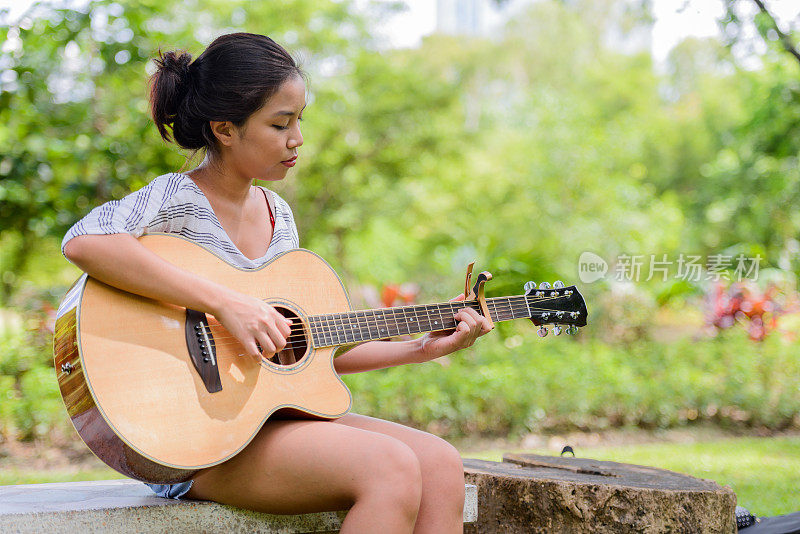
(367, 325)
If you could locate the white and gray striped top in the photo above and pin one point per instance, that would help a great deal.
(172, 203)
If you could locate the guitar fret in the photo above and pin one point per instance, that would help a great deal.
(335, 329)
(499, 313)
(329, 330)
(426, 324)
(416, 320)
(361, 335)
(451, 317)
(369, 318)
(312, 325)
(351, 327)
(393, 311)
(386, 327)
(383, 326)
(401, 321)
(434, 323)
(341, 327)
(323, 339)
(348, 327)
(319, 331)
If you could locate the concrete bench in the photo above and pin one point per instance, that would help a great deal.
(122, 506)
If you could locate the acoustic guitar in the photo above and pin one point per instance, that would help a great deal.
(158, 391)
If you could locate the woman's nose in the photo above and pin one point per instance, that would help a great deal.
(296, 139)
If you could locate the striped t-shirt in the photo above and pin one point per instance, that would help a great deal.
(172, 203)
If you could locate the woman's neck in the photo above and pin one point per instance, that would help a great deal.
(219, 182)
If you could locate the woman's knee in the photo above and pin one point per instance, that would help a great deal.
(394, 474)
(443, 472)
(443, 459)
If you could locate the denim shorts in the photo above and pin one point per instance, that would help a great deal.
(171, 491)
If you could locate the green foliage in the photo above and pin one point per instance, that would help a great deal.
(16, 476)
(74, 127)
(514, 151)
(30, 402)
(527, 384)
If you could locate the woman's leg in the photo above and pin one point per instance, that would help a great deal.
(294, 467)
(442, 506)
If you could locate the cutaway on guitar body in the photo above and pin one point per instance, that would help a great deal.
(142, 403)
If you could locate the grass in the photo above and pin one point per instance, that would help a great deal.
(764, 472)
(39, 476)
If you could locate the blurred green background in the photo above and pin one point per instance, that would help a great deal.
(520, 150)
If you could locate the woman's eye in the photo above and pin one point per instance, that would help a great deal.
(278, 126)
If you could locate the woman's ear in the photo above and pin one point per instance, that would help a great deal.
(223, 131)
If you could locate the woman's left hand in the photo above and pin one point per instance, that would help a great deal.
(471, 325)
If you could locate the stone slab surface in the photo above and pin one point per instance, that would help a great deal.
(123, 506)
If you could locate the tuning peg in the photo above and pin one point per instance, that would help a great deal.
(542, 331)
(572, 330)
(544, 285)
(556, 330)
(529, 286)
(558, 284)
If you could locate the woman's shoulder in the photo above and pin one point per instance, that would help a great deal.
(172, 188)
(173, 182)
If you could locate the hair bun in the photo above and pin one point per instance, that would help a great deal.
(169, 88)
(176, 64)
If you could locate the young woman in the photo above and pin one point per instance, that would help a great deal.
(241, 102)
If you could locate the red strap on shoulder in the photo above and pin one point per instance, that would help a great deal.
(271, 216)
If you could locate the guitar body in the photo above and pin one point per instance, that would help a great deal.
(137, 399)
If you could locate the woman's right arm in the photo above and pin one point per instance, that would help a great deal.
(121, 261)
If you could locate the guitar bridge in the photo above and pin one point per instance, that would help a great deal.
(203, 353)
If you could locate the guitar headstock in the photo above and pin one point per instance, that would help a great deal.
(557, 305)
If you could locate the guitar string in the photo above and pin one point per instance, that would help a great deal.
(388, 314)
(322, 332)
(319, 330)
(299, 339)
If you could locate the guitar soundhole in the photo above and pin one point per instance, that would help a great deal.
(296, 345)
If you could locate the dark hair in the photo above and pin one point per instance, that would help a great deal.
(232, 79)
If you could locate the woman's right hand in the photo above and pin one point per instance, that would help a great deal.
(120, 260)
(253, 321)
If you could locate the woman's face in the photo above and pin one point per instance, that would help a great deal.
(271, 136)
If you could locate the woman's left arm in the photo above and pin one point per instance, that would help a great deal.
(381, 354)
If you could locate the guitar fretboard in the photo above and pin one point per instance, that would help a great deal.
(355, 327)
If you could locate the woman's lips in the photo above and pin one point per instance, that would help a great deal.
(290, 162)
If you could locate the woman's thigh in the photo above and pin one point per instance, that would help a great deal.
(430, 449)
(301, 466)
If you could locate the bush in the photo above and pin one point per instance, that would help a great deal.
(562, 384)
(510, 383)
